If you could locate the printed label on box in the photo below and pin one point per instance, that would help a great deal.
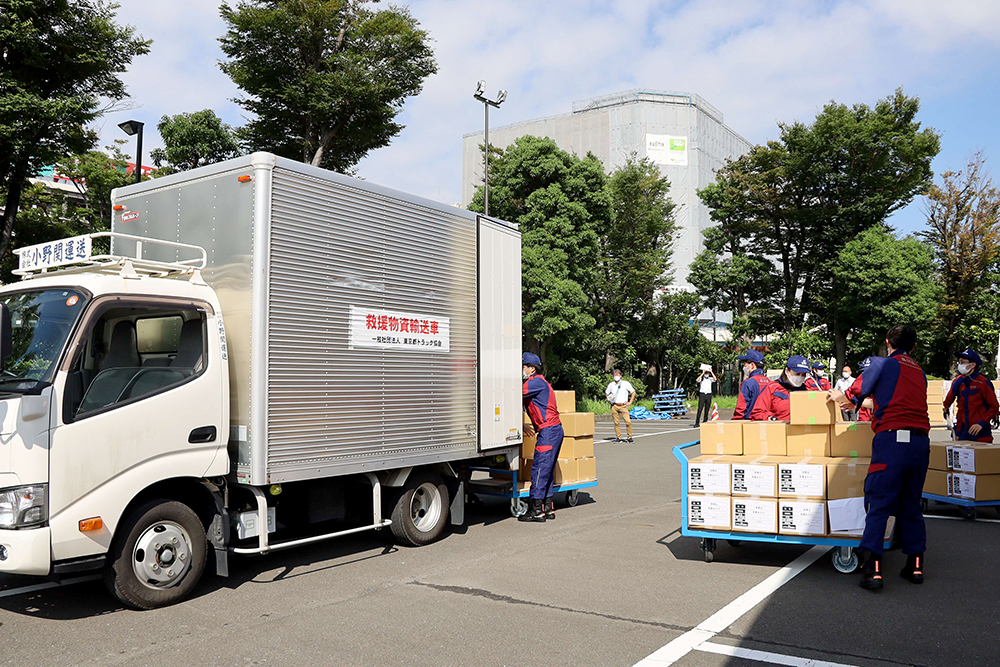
(802, 518)
(755, 515)
(753, 480)
(963, 486)
(962, 459)
(708, 478)
(796, 479)
(708, 511)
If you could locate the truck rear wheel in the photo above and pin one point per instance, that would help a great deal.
(421, 511)
(158, 555)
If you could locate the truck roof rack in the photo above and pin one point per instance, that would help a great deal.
(75, 255)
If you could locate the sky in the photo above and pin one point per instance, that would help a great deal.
(760, 62)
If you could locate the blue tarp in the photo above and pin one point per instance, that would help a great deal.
(640, 412)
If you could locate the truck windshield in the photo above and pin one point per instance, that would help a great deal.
(41, 322)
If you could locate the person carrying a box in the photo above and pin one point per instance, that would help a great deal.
(753, 367)
(816, 381)
(621, 394)
(773, 402)
(540, 404)
(900, 455)
(853, 393)
(977, 402)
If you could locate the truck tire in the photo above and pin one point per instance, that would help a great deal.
(421, 510)
(158, 555)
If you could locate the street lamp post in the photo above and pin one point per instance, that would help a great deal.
(480, 95)
(131, 127)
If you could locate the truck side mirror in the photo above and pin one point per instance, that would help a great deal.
(6, 334)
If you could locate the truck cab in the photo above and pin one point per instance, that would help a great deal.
(114, 394)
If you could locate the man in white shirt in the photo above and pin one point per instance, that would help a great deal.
(843, 384)
(621, 394)
(705, 392)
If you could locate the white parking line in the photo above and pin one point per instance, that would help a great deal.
(729, 614)
(765, 656)
(958, 518)
(51, 584)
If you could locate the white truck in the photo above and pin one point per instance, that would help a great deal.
(267, 354)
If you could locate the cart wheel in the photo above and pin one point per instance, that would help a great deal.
(924, 505)
(518, 507)
(708, 546)
(845, 562)
(709, 556)
(572, 497)
(734, 543)
(968, 513)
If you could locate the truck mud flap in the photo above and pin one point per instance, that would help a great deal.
(456, 487)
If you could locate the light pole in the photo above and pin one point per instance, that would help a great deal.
(135, 127)
(480, 95)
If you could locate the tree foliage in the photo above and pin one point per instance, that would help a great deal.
(60, 60)
(193, 140)
(324, 79)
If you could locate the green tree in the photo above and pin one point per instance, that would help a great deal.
(963, 227)
(980, 325)
(59, 62)
(879, 281)
(193, 140)
(562, 205)
(323, 79)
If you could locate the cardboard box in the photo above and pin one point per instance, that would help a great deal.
(722, 437)
(577, 448)
(978, 458)
(805, 478)
(811, 408)
(851, 439)
(845, 478)
(939, 456)
(937, 482)
(577, 424)
(765, 438)
(588, 468)
(802, 517)
(567, 470)
(565, 401)
(753, 478)
(709, 474)
(712, 512)
(808, 440)
(975, 487)
(755, 515)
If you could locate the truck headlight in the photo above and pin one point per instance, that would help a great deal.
(23, 506)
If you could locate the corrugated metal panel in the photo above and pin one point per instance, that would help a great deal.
(332, 408)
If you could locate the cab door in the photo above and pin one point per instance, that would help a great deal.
(141, 401)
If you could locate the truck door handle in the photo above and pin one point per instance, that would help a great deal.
(203, 434)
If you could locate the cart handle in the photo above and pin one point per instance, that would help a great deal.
(681, 456)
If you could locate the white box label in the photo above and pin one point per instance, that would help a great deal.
(755, 515)
(395, 330)
(801, 479)
(708, 478)
(753, 480)
(802, 518)
(963, 486)
(960, 458)
(708, 511)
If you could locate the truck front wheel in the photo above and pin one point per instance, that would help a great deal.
(158, 555)
(421, 511)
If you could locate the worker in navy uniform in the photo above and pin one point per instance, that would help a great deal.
(977, 401)
(900, 454)
(753, 365)
(540, 404)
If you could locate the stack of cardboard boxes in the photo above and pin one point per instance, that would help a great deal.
(576, 461)
(937, 390)
(969, 470)
(801, 477)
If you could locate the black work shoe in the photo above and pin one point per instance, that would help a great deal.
(630, 440)
(617, 440)
(534, 512)
(913, 571)
(550, 509)
(872, 578)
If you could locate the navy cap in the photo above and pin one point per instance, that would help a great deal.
(865, 363)
(529, 359)
(798, 363)
(752, 355)
(970, 355)
(819, 364)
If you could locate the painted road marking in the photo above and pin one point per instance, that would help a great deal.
(722, 619)
(52, 584)
(958, 518)
(765, 656)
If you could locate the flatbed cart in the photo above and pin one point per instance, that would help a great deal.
(966, 507)
(844, 557)
(502, 488)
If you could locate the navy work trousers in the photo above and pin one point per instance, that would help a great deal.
(543, 467)
(893, 487)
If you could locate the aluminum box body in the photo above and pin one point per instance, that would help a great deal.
(367, 329)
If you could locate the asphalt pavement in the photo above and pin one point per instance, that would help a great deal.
(609, 582)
